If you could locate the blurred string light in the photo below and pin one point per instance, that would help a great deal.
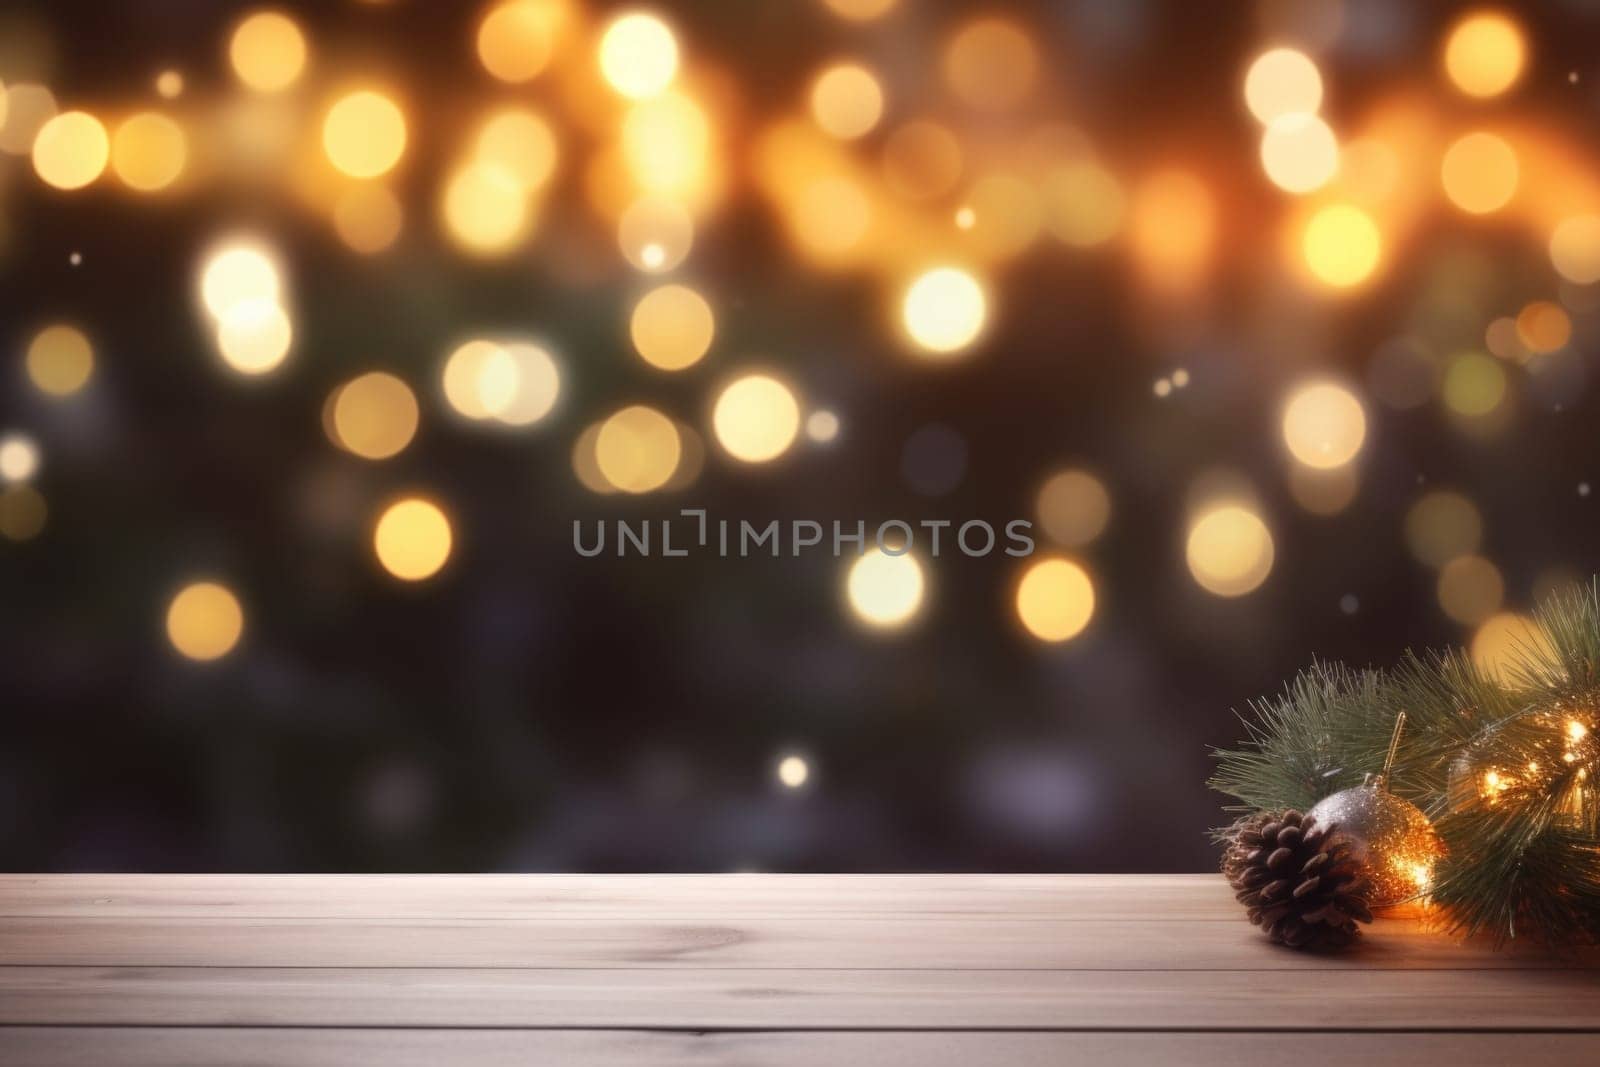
(756, 418)
(28, 108)
(267, 51)
(861, 10)
(655, 234)
(242, 289)
(922, 160)
(516, 40)
(1470, 589)
(1342, 245)
(944, 310)
(1503, 639)
(822, 426)
(991, 63)
(638, 55)
(1484, 54)
(1229, 549)
(1055, 599)
(19, 458)
(514, 383)
(1174, 230)
(486, 210)
(672, 327)
(374, 416)
(846, 100)
(205, 621)
(637, 449)
(412, 539)
(364, 134)
(1299, 153)
(1479, 173)
(1282, 82)
(1442, 525)
(1575, 249)
(1083, 202)
(71, 150)
(60, 360)
(793, 771)
(1324, 425)
(149, 151)
(1543, 327)
(1074, 507)
(368, 218)
(885, 591)
(169, 84)
(1474, 385)
(519, 141)
(22, 513)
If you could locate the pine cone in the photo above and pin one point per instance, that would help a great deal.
(1297, 879)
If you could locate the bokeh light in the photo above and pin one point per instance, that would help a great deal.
(655, 234)
(1174, 229)
(71, 150)
(793, 771)
(236, 272)
(375, 415)
(22, 513)
(1324, 425)
(1474, 384)
(666, 144)
(822, 426)
(1083, 203)
(991, 63)
(672, 327)
(520, 142)
(1502, 638)
(1442, 525)
(268, 51)
(1073, 507)
(486, 209)
(756, 418)
(28, 108)
(60, 360)
(922, 160)
(1280, 82)
(412, 539)
(1575, 249)
(1342, 245)
(1470, 589)
(205, 621)
(19, 458)
(148, 151)
(638, 55)
(885, 591)
(368, 218)
(1479, 173)
(536, 384)
(254, 336)
(1229, 550)
(517, 39)
(1055, 599)
(944, 310)
(1484, 54)
(637, 449)
(1299, 153)
(364, 134)
(846, 100)
(861, 10)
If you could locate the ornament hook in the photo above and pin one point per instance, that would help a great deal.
(1394, 744)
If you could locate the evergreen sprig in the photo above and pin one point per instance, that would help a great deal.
(1506, 764)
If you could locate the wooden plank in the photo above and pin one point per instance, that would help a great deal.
(157, 1047)
(839, 944)
(770, 999)
(1148, 898)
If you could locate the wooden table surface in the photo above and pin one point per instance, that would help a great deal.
(746, 970)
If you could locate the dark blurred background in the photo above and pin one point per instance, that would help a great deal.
(527, 709)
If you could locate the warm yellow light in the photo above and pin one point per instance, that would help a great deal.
(1074, 507)
(59, 360)
(1055, 600)
(19, 458)
(672, 327)
(480, 379)
(1324, 491)
(638, 55)
(28, 108)
(1083, 203)
(1441, 526)
(536, 385)
(846, 100)
(922, 160)
(254, 336)
(1282, 82)
(520, 142)
(486, 209)
(1174, 229)
(1484, 54)
(1299, 153)
(1575, 249)
(1342, 245)
(1479, 173)
(1229, 550)
(793, 772)
(364, 134)
(885, 591)
(375, 416)
(655, 234)
(368, 218)
(822, 426)
(830, 216)
(71, 150)
(1474, 384)
(944, 310)
(1576, 731)
(205, 621)
(860, 10)
(268, 51)
(991, 63)
(1470, 589)
(1543, 326)
(238, 272)
(1324, 425)
(22, 513)
(756, 418)
(517, 39)
(412, 539)
(666, 143)
(1501, 640)
(169, 84)
(638, 449)
(1006, 215)
(149, 151)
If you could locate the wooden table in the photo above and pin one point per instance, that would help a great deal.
(912, 970)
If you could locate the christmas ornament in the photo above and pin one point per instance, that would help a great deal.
(1389, 836)
(1297, 878)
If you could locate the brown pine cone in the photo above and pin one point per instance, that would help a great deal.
(1297, 879)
